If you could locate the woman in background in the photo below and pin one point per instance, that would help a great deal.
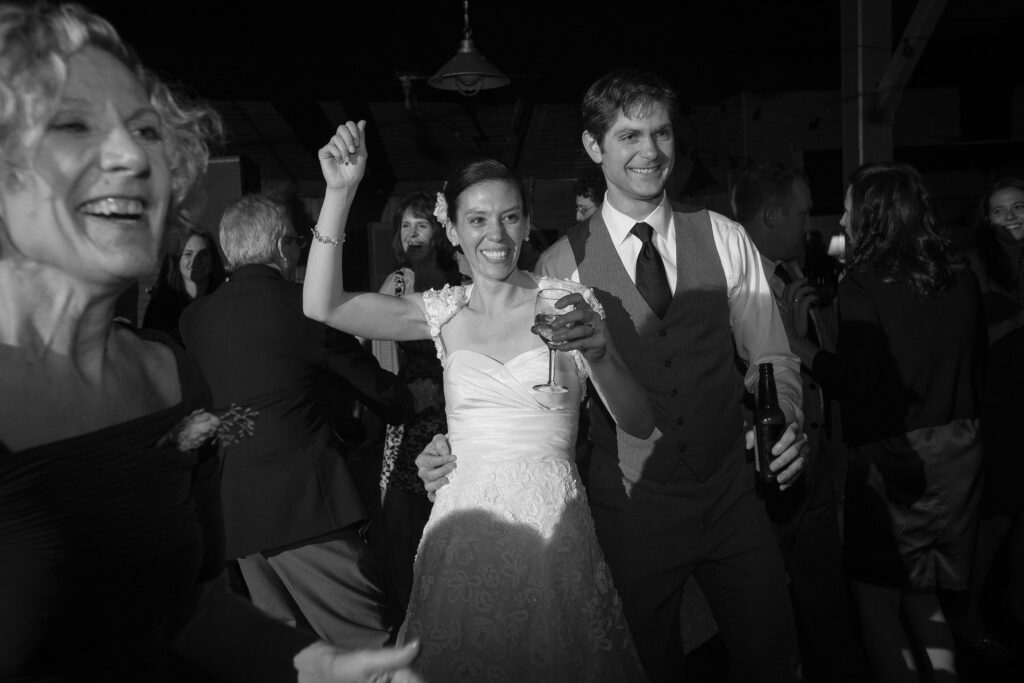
(907, 372)
(111, 537)
(192, 270)
(426, 262)
(998, 261)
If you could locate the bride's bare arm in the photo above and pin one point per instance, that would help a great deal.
(365, 314)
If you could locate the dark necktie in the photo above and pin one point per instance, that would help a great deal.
(812, 336)
(782, 273)
(650, 272)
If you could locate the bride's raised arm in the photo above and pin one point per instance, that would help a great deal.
(364, 314)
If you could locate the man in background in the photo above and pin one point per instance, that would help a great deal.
(293, 516)
(773, 203)
(589, 194)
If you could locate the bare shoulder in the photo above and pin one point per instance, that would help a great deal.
(46, 398)
(156, 361)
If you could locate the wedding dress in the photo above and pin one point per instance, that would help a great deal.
(509, 582)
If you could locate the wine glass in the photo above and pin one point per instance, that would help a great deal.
(544, 312)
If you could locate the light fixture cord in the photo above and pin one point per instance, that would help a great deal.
(467, 33)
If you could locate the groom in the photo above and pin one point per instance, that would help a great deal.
(683, 290)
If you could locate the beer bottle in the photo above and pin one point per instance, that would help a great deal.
(769, 422)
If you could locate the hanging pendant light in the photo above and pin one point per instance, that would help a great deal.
(467, 72)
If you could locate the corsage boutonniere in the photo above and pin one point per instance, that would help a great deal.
(201, 426)
(441, 211)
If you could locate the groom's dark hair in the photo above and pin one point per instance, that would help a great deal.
(630, 91)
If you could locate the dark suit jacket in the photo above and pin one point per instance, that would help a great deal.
(288, 481)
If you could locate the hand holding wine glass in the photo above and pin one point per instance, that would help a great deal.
(545, 312)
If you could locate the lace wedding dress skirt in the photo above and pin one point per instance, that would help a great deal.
(509, 582)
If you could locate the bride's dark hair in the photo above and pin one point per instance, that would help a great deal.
(480, 171)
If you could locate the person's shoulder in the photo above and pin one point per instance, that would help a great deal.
(449, 295)
(719, 223)
(441, 305)
(164, 357)
(558, 259)
(725, 225)
(197, 306)
(259, 282)
(560, 246)
(867, 283)
(687, 208)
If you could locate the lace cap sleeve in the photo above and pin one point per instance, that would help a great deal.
(582, 368)
(441, 305)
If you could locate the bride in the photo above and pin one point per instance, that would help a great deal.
(509, 582)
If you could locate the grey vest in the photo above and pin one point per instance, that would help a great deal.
(686, 361)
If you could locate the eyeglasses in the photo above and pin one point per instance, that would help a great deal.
(296, 239)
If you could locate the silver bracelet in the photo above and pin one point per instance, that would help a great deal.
(324, 239)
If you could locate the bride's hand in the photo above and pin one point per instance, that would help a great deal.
(343, 158)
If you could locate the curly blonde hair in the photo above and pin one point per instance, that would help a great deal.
(36, 42)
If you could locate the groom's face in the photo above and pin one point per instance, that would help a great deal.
(636, 156)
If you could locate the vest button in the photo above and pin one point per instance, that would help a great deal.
(662, 333)
(814, 425)
(812, 385)
(668, 363)
(674, 393)
(680, 421)
(682, 448)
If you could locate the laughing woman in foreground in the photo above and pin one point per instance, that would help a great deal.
(111, 541)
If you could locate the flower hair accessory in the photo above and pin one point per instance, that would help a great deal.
(441, 211)
(200, 426)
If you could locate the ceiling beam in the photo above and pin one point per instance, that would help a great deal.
(908, 53)
(874, 77)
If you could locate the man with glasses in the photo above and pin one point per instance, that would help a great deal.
(292, 513)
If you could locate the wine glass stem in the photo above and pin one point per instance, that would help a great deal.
(551, 366)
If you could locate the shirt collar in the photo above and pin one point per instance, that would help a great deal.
(619, 224)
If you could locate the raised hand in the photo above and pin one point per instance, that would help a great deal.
(343, 158)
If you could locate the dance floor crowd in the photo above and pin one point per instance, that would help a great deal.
(515, 459)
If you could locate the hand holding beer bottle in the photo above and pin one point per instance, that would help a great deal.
(769, 423)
